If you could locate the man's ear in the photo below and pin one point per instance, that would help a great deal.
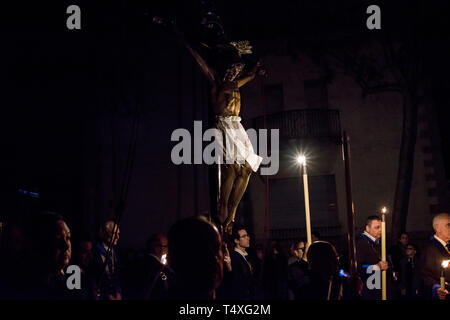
(367, 228)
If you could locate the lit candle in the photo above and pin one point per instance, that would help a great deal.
(444, 265)
(164, 259)
(383, 251)
(302, 161)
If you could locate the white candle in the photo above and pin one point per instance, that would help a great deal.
(444, 265)
(302, 160)
(383, 251)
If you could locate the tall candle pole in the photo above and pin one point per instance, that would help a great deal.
(383, 251)
(444, 265)
(302, 160)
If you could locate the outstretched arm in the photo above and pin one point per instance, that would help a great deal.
(206, 70)
(256, 70)
(246, 79)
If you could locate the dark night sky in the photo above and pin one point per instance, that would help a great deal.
(48, 72)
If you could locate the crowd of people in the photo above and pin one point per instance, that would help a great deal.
(195, 262)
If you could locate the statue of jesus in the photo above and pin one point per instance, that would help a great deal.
(226, 103)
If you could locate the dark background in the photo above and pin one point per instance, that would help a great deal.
(53, 79)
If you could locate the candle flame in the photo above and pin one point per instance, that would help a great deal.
(445, 263)
(301, 160)
(164, 259)
(384, 210)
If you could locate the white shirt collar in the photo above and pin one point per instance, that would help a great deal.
(243, 253)
(369, 236)
(441, 241)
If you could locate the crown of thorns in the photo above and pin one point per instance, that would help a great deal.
(242, 47)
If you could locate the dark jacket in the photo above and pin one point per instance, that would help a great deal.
(239, 283)
(397, 253)
(432, 258)
(110, 280)
(297, 277)
(410, 276)
(368, 253)
(154, 279)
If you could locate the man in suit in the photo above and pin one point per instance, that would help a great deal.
(410, 282)
(239, 283)
(368, 256)
(151, 278)
(106, 279)
(437, 250)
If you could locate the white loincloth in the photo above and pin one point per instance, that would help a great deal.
(237, 146)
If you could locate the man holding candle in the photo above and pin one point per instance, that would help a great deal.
(368, 256)
(151, 280)
(239, 282)
(436, 252)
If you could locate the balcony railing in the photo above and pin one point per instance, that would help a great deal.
(304, 123)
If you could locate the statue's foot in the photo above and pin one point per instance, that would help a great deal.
(228, 226)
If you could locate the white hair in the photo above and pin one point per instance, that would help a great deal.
(437, 218)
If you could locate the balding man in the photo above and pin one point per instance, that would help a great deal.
(437, 251)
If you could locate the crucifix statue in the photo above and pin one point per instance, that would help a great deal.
(226, 74)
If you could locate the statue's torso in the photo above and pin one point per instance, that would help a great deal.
(228, 102)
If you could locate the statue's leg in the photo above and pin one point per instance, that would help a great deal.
(239, 187)
(228, 177)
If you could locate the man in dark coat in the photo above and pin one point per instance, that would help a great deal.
(154, 272)
(106, 284)
(239, 283)
(297, 271)
(368, 256)
(410, 282)
(398, 251)
(437, 251)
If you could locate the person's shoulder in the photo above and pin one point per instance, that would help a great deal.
(298, 265)
(360, 238)
(235, 254)
(432, 244)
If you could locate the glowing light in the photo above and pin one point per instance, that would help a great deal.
(384, 210)
(445, 263)
(301, 160)
(164, 259)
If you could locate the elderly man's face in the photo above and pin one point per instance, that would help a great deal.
(443, 228)
(63, 246)
(374, 229)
